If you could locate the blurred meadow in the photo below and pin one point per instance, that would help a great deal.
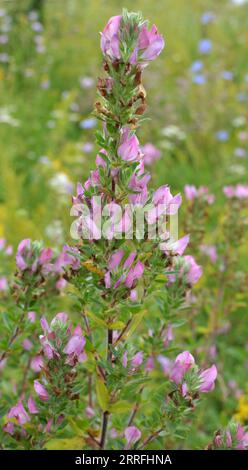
(197, 117)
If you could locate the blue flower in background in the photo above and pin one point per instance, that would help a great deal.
(199, 79)
(196, 66)
(205, 46)
(87, 123)
(242, 97)
(222, 135)
(227, 75)
(207, 17)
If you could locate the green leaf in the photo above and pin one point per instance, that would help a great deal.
(96, 319)
(73, 443)
(134, 324)
(121, 406)
(102, 394)
(116, 325)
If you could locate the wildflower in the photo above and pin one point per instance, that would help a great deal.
(207, 17)
(3, 284)
(32, 408)
(2, 243)
(110, 39)
(240, 191)
(27, 344)
(190, 192)
(87, 123)
(205, 46)
(199, 79)
(183, 362)
(168, 336)
(19, 413)
(37, 363)
(222, 135)
(175, 247)
(151, 153)
(164, 203)
(137, 359)
(23, 253)
(207, 379)
(196, 66)
(75, 345)
(41, 391)
(210, 251)
(192, 270)
(132, 435)
(31, 316)
(129, 149)
(150, 43)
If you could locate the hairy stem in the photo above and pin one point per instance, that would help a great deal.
(105, 415)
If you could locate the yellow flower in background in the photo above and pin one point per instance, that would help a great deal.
(242, 412)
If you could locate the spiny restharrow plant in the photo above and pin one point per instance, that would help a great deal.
(106, 375)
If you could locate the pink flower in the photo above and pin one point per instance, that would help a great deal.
(241, 191)
(41, 391)
(207, 378)
(75, 345)
(31, 317)
(9, 250)
(2, 243)
(182, 364)
(184, 389)
(151, 153)
(89, 412)
(110, 39)
(129, 261)
(168, 336)
(164, 203)
(124, 359)
(61, 284)
(27, 344)
(210, 251)
(137, 359)
(23, 252)
(32, 408)
(192, 270)
(3, 284)
(229, 191)
(48, 425)
(190, 192)
(60, 317)
(19, 413)
(99, 159)
(177, 248)
(45, 255)
(128, 149)
(44, 325)
(149, 364)
(132, 435)
(48, 349)
(134, 274)
(115, 259)
(166, 364)
(228, 439)
(133, 295)
(37, 363)
(242, 438)
(9, 428)
(150, 42)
